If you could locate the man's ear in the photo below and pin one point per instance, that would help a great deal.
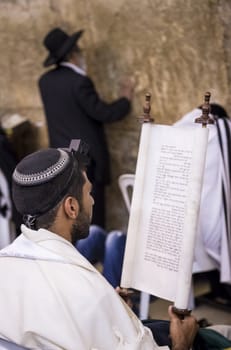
(71, 207)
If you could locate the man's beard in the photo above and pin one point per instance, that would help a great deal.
(80, 228)
(82, 63)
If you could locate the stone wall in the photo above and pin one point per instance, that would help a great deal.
(176, 49)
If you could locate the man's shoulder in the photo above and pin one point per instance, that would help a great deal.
(62, 72)
(45, 76)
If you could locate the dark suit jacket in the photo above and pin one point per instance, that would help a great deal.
(74, 110)
(8, 162)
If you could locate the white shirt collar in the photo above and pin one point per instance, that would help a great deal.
(74, 67)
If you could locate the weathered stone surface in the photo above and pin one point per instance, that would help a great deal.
(175, 49)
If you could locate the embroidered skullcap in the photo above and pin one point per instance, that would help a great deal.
(42, 178)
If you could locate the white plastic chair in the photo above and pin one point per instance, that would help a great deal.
(126, 181)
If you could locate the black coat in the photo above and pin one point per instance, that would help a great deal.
(8, 162)
(75, 111)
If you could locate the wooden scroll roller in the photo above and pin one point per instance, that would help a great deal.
(181, 313)
(146, 118)
(205, 119)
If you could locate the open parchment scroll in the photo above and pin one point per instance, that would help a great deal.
(165, 204)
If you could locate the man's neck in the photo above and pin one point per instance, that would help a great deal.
(73, 66)
(61, 230)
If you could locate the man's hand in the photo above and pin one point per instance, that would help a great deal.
(182, 331)
(126, 295)
(127, 87)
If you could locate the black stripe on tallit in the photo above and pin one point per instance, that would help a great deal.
(226, 195)
(223, 188)
(228, 138)
(219, 136)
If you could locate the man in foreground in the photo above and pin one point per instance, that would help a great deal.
(52, 297)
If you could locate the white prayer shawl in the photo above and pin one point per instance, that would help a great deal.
(213, 244)
(53, 298)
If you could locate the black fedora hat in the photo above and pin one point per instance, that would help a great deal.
(59, 43)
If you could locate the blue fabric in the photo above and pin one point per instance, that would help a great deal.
(107, 249)
(113, 259)
(92, 247)
(160, 330)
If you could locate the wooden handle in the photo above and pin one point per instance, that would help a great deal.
(146, 118)
(205, 119)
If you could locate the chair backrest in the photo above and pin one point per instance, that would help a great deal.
(125, 181)
(8, 345)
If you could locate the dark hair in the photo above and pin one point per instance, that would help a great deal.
(217, 110)
(75, 190)
(67, 57)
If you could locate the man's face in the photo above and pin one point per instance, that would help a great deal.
(80, 228)
(80, 59)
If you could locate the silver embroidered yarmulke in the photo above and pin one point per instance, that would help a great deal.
(45, 175)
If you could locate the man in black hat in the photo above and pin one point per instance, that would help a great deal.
(52, 297)
(74, 109)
